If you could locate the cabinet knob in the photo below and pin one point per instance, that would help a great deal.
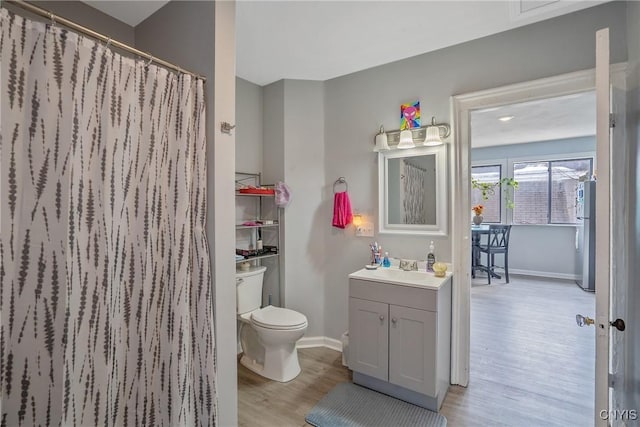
(381, 317)
(394, 320)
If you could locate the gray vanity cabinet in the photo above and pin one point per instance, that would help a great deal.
(369, 337)
(412, 349)
(399, 340)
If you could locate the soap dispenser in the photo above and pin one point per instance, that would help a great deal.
(431, 256)
(385, 262)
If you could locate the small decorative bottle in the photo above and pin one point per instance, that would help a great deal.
(385, 262)
(431, 256)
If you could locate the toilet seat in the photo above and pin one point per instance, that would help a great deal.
(271, 317)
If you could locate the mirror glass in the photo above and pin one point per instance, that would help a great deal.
(413, 191)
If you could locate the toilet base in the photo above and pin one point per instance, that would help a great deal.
(280, 363)
(285, 368)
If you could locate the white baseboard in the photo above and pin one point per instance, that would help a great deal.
(308, 342)
(548, 274)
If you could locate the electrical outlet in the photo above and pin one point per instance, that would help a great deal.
(365, 230)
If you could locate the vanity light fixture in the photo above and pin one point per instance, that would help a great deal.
(435, 133)
(430, 135)
(381, 141)
(406, 140)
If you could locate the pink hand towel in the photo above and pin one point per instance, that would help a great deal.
(342, 215)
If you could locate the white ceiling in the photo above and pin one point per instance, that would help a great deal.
(131, 12)
(541, 120)
(320, 40)
(324, 39)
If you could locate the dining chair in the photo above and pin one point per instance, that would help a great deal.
(497, 243)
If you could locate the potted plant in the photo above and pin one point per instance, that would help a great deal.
(477, 209)
(488, 189)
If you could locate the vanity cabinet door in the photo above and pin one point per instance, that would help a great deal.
(412, 349)
(369, 337)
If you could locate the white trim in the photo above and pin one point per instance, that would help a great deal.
(603, 262)
(437, 229)
(544, 10)
(310, 342)
(505, 217)
(461, 107)
(547, 274)
(221, 106)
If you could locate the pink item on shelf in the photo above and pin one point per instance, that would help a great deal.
(283, 194)
(342, 215)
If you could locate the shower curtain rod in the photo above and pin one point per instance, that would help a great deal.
(77, 27)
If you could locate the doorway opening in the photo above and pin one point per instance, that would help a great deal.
(530, 163)
(462, 107)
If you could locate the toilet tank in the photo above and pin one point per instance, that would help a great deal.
(249, 289)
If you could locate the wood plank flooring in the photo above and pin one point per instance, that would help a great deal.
(530, 365)
(262, 402)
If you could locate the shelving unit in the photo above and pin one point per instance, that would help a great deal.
(245, 227)
(271, 230)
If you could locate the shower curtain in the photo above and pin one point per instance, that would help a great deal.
(106, 297)
(412, 194)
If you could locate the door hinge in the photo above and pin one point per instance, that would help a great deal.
(612, 380)
(612, 121)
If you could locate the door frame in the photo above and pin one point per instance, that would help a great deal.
(461, 108)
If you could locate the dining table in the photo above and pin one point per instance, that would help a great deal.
(477, 231)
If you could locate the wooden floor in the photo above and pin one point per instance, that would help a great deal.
(262, 402)
(530, 364)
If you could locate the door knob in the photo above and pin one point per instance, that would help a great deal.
(618, 324)
(584, 321)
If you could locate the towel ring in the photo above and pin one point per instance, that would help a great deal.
(339, 181)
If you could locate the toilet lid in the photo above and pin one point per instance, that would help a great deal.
(278, 318)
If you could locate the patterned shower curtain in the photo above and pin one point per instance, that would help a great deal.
(412, 194)
(106, 298)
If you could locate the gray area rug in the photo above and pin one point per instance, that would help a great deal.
(350, 405)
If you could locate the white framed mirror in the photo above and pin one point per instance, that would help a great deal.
(412, 191)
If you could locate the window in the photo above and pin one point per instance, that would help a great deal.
(547, 190)
(492, 207)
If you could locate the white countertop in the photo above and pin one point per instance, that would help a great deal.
(393, 275)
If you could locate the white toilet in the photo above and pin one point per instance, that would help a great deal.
(268, 335)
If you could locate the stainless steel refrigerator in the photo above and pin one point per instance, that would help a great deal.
(586, 235)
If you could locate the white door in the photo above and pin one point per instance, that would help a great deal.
(611, 251)
(412, 349)
(369, 338)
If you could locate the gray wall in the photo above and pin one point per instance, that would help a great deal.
(249, 146)
(273, 119)
(189, 34)
(545, 250)
(304, 173)
(90, 17)
(249, 128)
(294, 153)
(632, 382)
(357, 104)
(273, 125)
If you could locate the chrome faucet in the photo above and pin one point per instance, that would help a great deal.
(408, 265)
